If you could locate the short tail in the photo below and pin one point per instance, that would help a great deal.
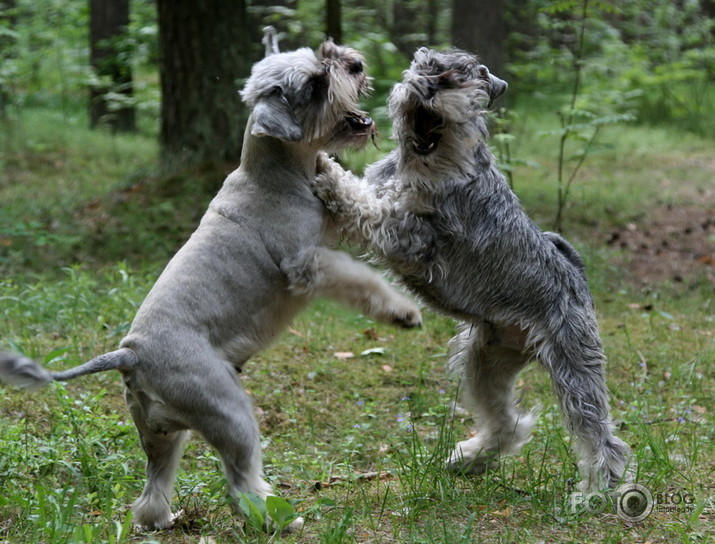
(24, 372)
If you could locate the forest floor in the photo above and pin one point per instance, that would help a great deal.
(356, 416)
(674, 243)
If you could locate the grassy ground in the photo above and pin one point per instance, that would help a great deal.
(356, 417)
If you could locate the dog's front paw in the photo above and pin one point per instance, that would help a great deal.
(324, 188)
(328, 177)
(409, 319)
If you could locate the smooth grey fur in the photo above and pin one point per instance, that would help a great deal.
(257, 258)
(439, 213)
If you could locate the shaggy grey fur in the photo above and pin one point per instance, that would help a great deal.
(257, 258)
(439, 213)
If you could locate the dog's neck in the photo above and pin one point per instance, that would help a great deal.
(265, 153)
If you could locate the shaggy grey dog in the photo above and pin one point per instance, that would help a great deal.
(439, 213)
(257, 258)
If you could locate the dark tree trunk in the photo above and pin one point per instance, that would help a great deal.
(432, 16)
(478, 27)
(108, 22)
(8, 43)
(205, 56)
(406, 24)
(333, 19)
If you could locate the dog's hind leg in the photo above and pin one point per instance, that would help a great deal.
(576, 365)
(152, 510)
(319, 271)
(489, 359)
(227, 422)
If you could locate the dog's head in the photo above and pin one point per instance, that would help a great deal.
(442, 93)
(310, 97)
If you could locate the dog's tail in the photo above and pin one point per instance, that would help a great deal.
(23, 372)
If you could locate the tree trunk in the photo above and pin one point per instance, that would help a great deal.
(478, 27)
(404, 28)
(205, 55)
(108, 22)
(334, 26)
(8, 46)
(432, 17)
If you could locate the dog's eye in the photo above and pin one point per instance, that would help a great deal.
(356, 66)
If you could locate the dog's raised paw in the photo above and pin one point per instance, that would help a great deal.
(409, 320)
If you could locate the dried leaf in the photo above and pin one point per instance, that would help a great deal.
(503, 513)
(373, 351)
(342, 355)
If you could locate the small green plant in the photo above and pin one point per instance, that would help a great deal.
(273, 514)
(580, 121)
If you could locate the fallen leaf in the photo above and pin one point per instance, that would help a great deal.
(343, 355)
(374, 351)
(382, 476)
(503, 513)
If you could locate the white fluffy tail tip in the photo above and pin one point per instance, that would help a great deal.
(22, 371)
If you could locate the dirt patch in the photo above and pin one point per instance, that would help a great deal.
(677, 244)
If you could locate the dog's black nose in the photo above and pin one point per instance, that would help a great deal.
(356, 66)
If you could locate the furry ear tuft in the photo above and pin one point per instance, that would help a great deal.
(273, 116)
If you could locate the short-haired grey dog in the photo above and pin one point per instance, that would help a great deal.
(257, 258)
(439, 213)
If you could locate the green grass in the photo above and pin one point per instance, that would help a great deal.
(357, 444)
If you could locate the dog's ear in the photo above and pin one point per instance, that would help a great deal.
(495, 86)
(273, 116)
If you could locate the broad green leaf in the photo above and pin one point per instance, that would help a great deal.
(280, 511)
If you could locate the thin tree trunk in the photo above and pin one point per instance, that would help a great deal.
(334, 26)
(108, 22)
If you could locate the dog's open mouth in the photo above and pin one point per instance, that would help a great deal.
(360, 125)
(427, 131)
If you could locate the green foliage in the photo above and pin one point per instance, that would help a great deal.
(45, 55)
(266, 519)
(655, 58)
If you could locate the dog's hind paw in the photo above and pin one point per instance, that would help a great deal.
(294, 526)
(159, 524)
(470, 457)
